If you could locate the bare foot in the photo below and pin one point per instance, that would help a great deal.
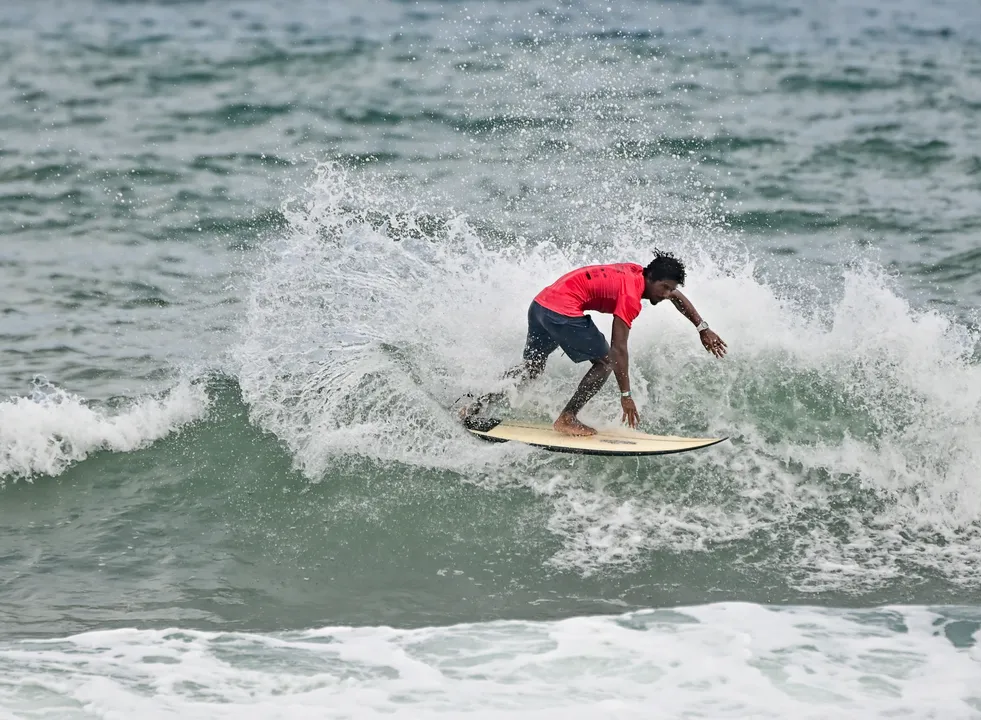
(468, 411)
(570, 425)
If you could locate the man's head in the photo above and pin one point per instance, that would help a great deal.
(663, 275)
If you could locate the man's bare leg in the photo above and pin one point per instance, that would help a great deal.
(527, 371)
(568, 423)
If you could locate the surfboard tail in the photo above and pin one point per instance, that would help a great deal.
(481, 424)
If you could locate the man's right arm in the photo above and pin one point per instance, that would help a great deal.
(621, 369)
(619, 355)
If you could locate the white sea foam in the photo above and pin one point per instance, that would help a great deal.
(45, 432)
(851, 413)
(716, 661)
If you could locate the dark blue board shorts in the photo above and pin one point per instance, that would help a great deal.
(577, 336)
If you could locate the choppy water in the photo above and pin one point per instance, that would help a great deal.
(249, 255)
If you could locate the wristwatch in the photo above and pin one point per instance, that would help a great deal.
(625, 394)
(702, 326)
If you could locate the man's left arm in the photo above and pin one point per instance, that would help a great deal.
(712, 342)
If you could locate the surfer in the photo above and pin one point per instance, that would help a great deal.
(556, 319)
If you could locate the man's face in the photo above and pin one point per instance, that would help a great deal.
(661, 290)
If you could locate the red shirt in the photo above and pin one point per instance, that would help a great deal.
(615, 289)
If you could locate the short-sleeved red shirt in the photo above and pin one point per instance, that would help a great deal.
(615, 289)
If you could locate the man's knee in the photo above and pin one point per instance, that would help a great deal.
(604, 363)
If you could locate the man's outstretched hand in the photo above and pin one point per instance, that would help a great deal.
(630, 414)
(713, 343)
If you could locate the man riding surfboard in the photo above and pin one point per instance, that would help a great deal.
(557, 319)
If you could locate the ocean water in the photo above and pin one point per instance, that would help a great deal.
(250, 255)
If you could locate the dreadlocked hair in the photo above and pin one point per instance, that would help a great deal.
(665, 266)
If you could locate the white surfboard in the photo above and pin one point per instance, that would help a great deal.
(618, 441)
